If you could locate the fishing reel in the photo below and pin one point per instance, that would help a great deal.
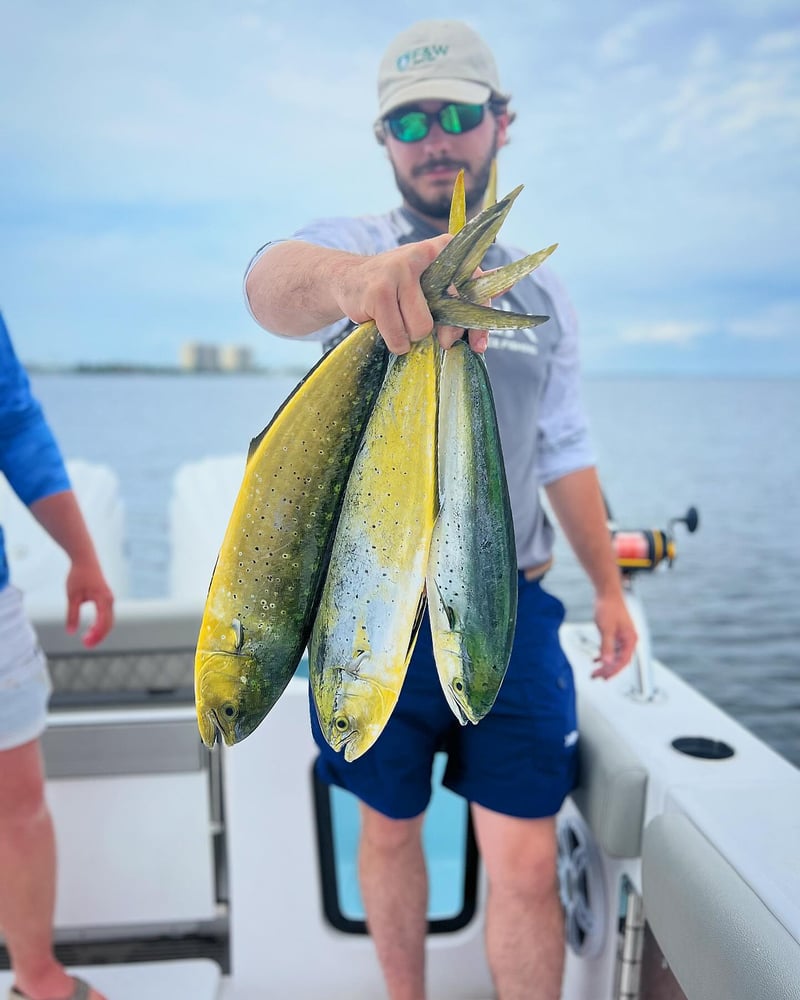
(642, 550)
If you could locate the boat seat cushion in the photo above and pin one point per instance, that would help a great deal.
(720, 939)
(612, 785)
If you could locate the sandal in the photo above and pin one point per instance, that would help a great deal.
(80, 992)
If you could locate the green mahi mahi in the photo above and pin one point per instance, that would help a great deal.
(472, 569)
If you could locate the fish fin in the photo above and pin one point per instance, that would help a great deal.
(238, 632)
(490, 196)
(486, 286)
(256, 441)
(366, 330)
(458, 206)
(412, 641)
(466, 250)
(494, 217)
(211, 579)
(456, 265)
(457, 312)
(449, 612)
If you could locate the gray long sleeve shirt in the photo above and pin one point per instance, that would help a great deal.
(534, 372)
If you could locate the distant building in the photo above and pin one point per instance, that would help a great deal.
(199, 357)
(196, 357)
(235, 358)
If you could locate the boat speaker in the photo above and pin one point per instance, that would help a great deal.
(581, 887)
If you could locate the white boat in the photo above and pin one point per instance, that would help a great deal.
(229, 875)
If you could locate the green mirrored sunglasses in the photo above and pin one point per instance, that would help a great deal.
(412, 124)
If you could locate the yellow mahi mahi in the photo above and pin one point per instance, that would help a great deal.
(373, 595)
(266, 582)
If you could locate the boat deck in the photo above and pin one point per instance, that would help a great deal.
(193, 979)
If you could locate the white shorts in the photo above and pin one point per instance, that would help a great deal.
(24, 681)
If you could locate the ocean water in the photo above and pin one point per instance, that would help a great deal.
(725, 616)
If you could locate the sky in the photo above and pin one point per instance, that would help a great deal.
(150, 148)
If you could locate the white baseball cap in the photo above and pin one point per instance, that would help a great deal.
(437, 61)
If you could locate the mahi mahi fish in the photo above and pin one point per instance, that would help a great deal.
(472, 569)
(267, 579)
(373, 595)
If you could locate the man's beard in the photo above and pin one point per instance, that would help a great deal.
(439, 207)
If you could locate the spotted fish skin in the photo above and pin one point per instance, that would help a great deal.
(472, 568)
(373, 595)
(268, 576)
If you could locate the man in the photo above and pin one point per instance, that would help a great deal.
(442, 109)
(31, 461)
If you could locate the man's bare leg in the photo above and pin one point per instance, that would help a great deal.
(394, 887)
(524, 917)
(27, 876)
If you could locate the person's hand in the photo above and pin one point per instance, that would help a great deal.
(385, 288)
(86, 584)
(448, 335)
(478, 339)
(617, 636)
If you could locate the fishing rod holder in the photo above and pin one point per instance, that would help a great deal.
(643, 551)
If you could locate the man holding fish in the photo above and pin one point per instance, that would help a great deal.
(441, 111)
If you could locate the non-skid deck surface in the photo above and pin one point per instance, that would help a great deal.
(191, 979)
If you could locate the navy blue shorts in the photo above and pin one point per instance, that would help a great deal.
(520, 760)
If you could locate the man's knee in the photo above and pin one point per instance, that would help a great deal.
(22, 797)
(386, 833)
(519, 855)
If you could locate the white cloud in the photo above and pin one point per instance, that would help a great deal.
(624, 41)
(151, 148)
(664, 332)
(778, 42)
(778, 320)
(706, 53)
(750, 97)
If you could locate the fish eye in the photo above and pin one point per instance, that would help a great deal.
(459, 686)
(229, 710)
(341, 724)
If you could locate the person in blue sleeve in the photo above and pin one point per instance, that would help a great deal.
(32, 463)
(441, 109)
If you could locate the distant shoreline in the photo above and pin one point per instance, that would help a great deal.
(130, 369)
(298, 371)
